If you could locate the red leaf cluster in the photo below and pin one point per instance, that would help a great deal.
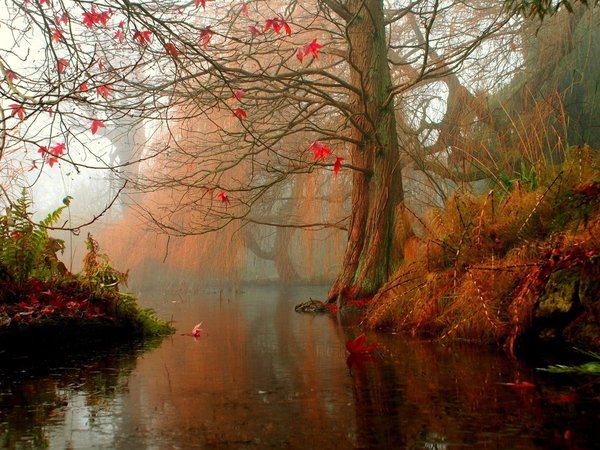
(41, 301)
(309, 49)
(240, 113)
(277, 24)
(205, 36)
(143, 37)
(51, 156)
(224, 198)
(96, 125)
(93, 17)
(320, 150)
(201, 2)
(17, 110)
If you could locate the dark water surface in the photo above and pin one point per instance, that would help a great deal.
(267, 377)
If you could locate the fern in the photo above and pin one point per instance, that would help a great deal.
(23, 243)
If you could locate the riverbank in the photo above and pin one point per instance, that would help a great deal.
(515, 267)
(44, 307)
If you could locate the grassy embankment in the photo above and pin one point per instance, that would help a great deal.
(518, 265)
(44, 306)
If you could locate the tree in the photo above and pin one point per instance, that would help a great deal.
(249, 95)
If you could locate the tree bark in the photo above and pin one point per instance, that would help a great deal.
(374, 241)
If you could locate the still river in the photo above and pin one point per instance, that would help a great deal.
(266, 377)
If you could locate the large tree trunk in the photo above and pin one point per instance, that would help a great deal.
(373, 244)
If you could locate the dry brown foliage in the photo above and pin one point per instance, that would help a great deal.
(484, 261)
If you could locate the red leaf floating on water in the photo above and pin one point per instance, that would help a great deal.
(96, 125)
(357, 345)
(197, 330)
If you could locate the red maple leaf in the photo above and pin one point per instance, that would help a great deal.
(238, 94)
(58, 149)
(83, 86)
(42, 150)
(200, 2)
(62, 65)
(103, 90)
(245, 9)
(62, 19)
(17, 110)
(239, 113)
(96, 125)
(357, 345)
(205, 35)
(90, 18)
(33, 165)
(254, 30)
(171, 49)
(103, 17)
(52, 160)
(319, 150)
(56, 35)
(337, 164)
(312, 48)
(224, 198)
(41, 2)
(143, 37)
(300, 54)
(119, 35)
(277, 24)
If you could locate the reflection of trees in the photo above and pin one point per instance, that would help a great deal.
(420, 394)
(35, 397)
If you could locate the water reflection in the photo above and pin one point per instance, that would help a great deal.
(266, 377)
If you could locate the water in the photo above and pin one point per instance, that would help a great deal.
(267, 377)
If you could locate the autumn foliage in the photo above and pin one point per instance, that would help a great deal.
(485, 262)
